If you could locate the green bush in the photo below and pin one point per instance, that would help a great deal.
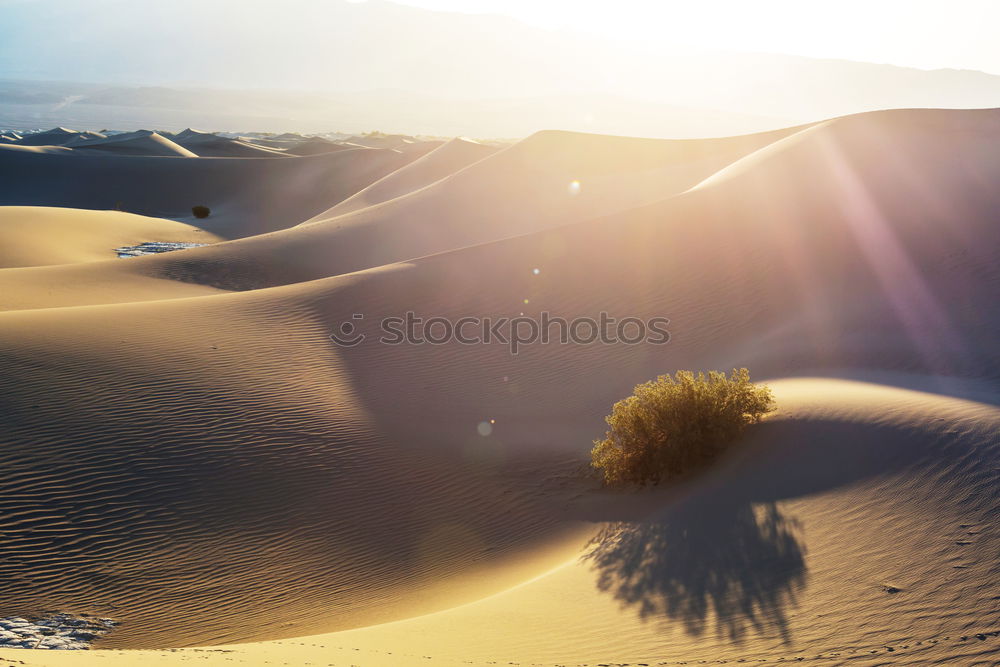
(672, 425)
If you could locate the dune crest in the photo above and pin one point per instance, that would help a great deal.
(135, 143)
(426, 170)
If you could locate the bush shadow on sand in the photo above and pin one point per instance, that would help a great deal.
(719, 546)
(738, 563)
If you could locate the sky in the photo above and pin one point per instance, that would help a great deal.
(928, 34)
(639, 67)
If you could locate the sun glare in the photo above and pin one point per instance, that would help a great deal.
(922, 35)
(356, 332)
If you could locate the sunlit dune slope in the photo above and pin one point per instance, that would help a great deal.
(42, 150)
(37, 236)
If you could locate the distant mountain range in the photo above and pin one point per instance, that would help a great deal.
(27, 105)
(185, 63)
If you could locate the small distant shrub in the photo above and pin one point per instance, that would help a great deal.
(673, 425)
(201, 211)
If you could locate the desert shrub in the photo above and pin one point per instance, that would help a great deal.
(673, 425)
(201, 211)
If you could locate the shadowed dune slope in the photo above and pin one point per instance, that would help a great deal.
(919, 165)
(430, 168)
(378, 140)
(246, 196)
(207, 144)
(225, 147)
(88, 136)
(57, 136)
(314, 146)
(136, 143)
(283, 142)
(522, 189)
(341, 527)
(220, 459)
(923, 166)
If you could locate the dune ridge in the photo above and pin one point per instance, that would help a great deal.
(426, 170)
(142, 142)
(206, 144)
(247, 196)
(517, 190)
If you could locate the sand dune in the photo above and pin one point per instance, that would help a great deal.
(57, 136)
(39, 236)
(177, 451)
(432, 167)
(87, 136)
(377, 140)
(50, 150)
(788, 548)
(315, 458)
(399, 142)
(246, 196)
(547, 180)
(281, 141)
(206, 144)
(526, 187)
(790, 545)
(315, 146)
(143, 142)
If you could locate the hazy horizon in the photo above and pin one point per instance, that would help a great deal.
(378, 65)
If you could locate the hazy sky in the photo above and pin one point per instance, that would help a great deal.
(928, 34)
